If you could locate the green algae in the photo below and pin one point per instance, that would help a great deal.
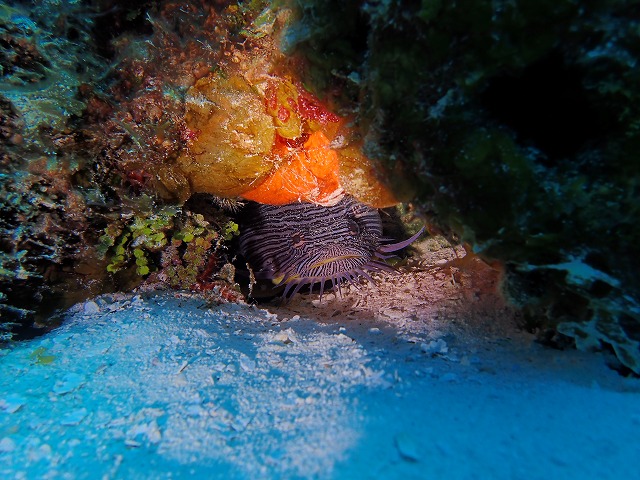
(172, 244)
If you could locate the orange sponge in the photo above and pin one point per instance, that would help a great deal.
(308, 174)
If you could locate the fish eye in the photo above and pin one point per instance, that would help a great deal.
(353, 227)
(297, 239)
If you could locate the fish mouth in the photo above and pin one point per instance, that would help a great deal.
(302, 277)
(338, 258)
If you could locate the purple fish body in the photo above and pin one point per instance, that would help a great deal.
(302, 243)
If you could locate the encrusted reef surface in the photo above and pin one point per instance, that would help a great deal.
(45, 59)
(91, 115)
(520, 121)
(511, 126)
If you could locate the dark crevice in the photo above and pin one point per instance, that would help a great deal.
(547, 106)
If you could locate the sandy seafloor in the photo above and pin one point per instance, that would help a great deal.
(429, 376)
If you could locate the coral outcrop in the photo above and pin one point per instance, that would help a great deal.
(520, 122)
(258, 135)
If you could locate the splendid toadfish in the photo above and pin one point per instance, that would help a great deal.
(305, 244)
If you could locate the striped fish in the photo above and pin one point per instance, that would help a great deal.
(305, 244)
